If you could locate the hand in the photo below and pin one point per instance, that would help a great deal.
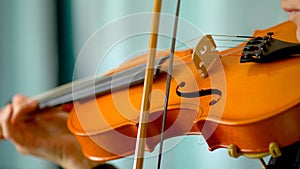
(42, 133)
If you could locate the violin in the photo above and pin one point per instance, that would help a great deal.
(246, 99)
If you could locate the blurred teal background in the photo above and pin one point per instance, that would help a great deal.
(40, 41)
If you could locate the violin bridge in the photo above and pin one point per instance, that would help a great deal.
(204, 55)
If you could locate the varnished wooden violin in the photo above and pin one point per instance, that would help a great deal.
(250, 108)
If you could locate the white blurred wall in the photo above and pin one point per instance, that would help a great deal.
(28, 62)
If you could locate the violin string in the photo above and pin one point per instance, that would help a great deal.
(232, 47)
(181, 44)
(230, 40)
(188, 56)
(234, 36)
(236, 48)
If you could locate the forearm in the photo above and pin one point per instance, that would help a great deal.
(71, 156)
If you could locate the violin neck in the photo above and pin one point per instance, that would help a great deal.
(95, 86)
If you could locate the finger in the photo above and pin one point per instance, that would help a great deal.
(2, 111)
(21, 106)
(5, 122)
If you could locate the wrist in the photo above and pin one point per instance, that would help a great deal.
(81, 164)
(76, 160)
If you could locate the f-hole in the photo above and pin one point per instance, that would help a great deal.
(200, 93)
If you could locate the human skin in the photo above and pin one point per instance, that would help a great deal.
(41, 133)
(292, 7)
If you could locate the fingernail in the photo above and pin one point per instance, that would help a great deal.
(8, 108)
(32, 102)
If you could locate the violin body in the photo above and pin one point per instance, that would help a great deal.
(107, 126)
(259, 104)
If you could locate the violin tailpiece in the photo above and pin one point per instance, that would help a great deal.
(266, 49)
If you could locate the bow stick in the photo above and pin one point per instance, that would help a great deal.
(145, 106)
